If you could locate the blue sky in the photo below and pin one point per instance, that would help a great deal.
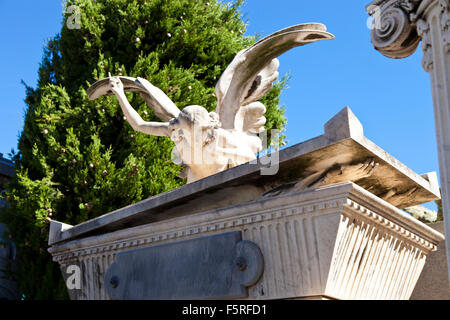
(391, 98)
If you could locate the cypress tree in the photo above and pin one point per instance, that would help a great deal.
(78, 159)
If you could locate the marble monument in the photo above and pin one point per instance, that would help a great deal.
(327, 225)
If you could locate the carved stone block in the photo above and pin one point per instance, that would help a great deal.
(334, 242)
(325, 238)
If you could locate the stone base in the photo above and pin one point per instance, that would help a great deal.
(433, 282)
(337, 241)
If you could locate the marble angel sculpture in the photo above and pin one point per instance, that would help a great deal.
(210, 142)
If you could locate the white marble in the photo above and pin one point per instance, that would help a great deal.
(334, 242)
(341, 154)
(210, 142)
(326, 239)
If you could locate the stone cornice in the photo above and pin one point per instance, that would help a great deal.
(348, 196)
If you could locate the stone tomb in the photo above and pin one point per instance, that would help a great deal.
(328, 225)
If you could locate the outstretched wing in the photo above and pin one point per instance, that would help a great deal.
(251, 74)
(155, 98)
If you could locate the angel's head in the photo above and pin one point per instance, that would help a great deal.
(194, 127)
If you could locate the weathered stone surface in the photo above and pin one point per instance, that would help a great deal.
(219, 266)
(341, 154)
(393, 32)
(56, 228)
(334, 242)
(344, 125)
(321, 236)
(433, 282)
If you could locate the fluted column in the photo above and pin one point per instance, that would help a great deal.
(399, 26)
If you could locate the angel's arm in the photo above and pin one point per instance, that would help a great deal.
(135, 120)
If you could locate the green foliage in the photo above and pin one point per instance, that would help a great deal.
(79, 159)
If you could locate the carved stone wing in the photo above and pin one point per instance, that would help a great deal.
(156, 99)
(251, 73)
